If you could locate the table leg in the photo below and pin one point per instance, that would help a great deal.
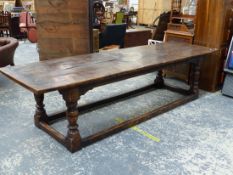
(159, 81)
(40, 114)
(73, 139)
(195, 75)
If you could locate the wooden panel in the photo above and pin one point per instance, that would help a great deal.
(95, 68)
(137, 37)
(95, 40)
(181, 71)
(171, 35)
(63, 28)
(210, 31)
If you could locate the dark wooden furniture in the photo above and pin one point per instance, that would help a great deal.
(137, 37)
(5, 23)
(212, 25)
(182, 22)
(159, 31)
(95, 40)
(7, 51)
(133, 37)
(171, 35)
(180, 29)
(74, 76)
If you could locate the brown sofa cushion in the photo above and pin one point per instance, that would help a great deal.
(7, 50)
(3, 42)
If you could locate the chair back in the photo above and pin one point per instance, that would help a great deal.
(119, 17)
(113, 35)
(5, 19)
(164, 19)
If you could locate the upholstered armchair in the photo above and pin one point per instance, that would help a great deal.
(7, 50)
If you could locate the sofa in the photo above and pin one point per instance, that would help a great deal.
(7, 50)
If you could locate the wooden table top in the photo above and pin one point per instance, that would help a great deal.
(56, 74)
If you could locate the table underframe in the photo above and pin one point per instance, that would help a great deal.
(73, 141)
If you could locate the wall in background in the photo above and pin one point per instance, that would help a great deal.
(150, 9)
(9, 5)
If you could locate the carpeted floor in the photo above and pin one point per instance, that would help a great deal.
(196, 138)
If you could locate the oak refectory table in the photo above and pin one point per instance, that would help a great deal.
(74, 76)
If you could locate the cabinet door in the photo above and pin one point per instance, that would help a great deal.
(180, 71)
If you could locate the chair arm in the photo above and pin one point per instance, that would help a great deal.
(7, 51)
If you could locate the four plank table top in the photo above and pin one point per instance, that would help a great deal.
(74, 76)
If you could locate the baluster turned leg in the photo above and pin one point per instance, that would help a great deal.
(159, 81)
(40, 114)
(194, 84)
(73, 139)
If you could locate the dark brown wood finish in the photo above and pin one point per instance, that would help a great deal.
(40, 114)
(92, 69)
(137, 37)
(211, 30)
(74, 76)
(73, 138)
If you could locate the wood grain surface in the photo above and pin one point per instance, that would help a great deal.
(63, 28)
(211, 31)
(91, 69)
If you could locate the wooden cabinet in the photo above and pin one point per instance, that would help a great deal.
(148, 10)
(95, 40)
(180, 71)
(137, 37)
(211, 31)
(179, 31)
(178, 36)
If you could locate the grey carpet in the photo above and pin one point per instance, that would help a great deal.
(196, 138)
